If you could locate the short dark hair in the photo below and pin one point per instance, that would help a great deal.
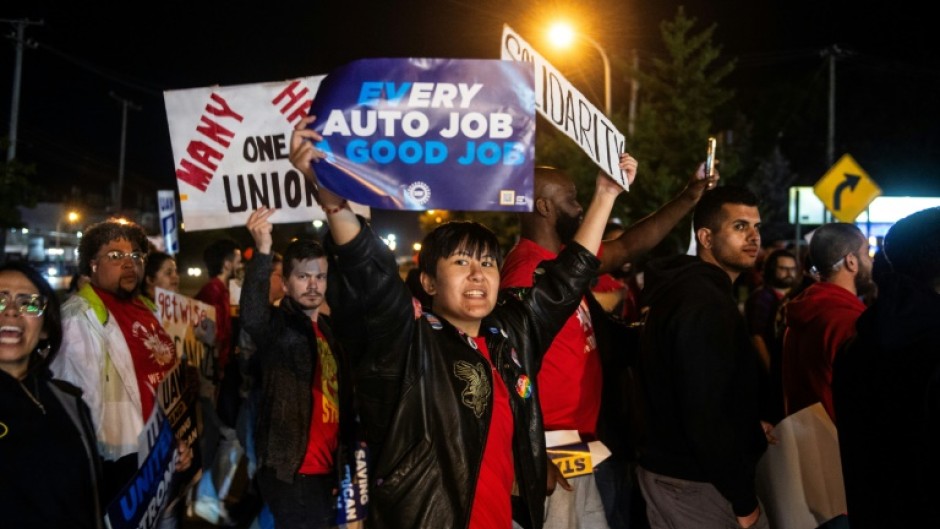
(912, 246)
(300, 250)
(455, 235)
(830, 243)
(100, 234)
(155, 260)
(770, 262)
(52, 317)
(215, 255)
(708, 211)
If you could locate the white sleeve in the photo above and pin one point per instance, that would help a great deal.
(79, 362)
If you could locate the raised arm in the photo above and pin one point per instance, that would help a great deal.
(591, 231)
(260, 227)
(255, 308)
(643, 235)
(344, 225)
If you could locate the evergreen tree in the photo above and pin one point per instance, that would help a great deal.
(680, 96)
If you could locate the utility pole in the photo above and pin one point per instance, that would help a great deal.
(119, 193)
(634, 91)
(832, 53)
(20, 37)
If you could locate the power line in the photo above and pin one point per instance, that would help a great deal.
(106, 74)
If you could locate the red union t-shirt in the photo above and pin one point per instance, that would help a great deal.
(492, 504)
(152, 349)
(215, 293)
(324, 416)
(570, 379)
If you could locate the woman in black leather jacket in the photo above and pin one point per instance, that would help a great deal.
(448, 397)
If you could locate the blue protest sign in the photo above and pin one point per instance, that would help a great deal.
(352, 502)
(139, 503)
(420, 134)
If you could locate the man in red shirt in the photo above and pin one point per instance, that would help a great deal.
(823, 316)
(305, 390)
(222, 259)
(571, 376)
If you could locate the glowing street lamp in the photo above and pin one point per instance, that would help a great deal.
(561, 34)
(72, 217)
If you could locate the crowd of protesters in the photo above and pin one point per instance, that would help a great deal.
(651, 374)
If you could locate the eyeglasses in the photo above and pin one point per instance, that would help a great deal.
(28, 304)
(116, 256)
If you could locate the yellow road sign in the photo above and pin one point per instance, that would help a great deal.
(846, 189)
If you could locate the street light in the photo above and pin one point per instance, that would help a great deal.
(561, 34)
(72, 217)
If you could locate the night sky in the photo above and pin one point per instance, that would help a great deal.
(89, 57)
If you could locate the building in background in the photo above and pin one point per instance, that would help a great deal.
(49, 241)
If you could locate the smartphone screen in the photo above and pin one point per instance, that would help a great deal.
(710, 158)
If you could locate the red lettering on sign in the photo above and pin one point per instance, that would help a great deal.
(296, 107)
(200, 152)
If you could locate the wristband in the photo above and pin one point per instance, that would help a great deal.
(330, 211)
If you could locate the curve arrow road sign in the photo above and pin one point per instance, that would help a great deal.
(851, 182)
(846, 189)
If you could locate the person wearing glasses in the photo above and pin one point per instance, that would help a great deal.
(49, 464)
(114, 347)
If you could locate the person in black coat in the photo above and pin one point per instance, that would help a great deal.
(886, 387)
(49, 465)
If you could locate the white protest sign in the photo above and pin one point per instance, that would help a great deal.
(191, 324)
(568, 110)
(231, 148)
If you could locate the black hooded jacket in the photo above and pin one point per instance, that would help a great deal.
(700, 379)
(886, 392)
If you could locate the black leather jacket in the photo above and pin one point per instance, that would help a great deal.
(427, 425)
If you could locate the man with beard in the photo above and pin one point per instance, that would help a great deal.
(822, 317)
(306, 395)
(579, 397)
(699, 375)
(115, 349)
(779, 275)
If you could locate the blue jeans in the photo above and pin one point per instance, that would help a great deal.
(307, 503)
(616, 486)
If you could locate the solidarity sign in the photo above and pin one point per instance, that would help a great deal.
(419, 134)
(568, 110)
